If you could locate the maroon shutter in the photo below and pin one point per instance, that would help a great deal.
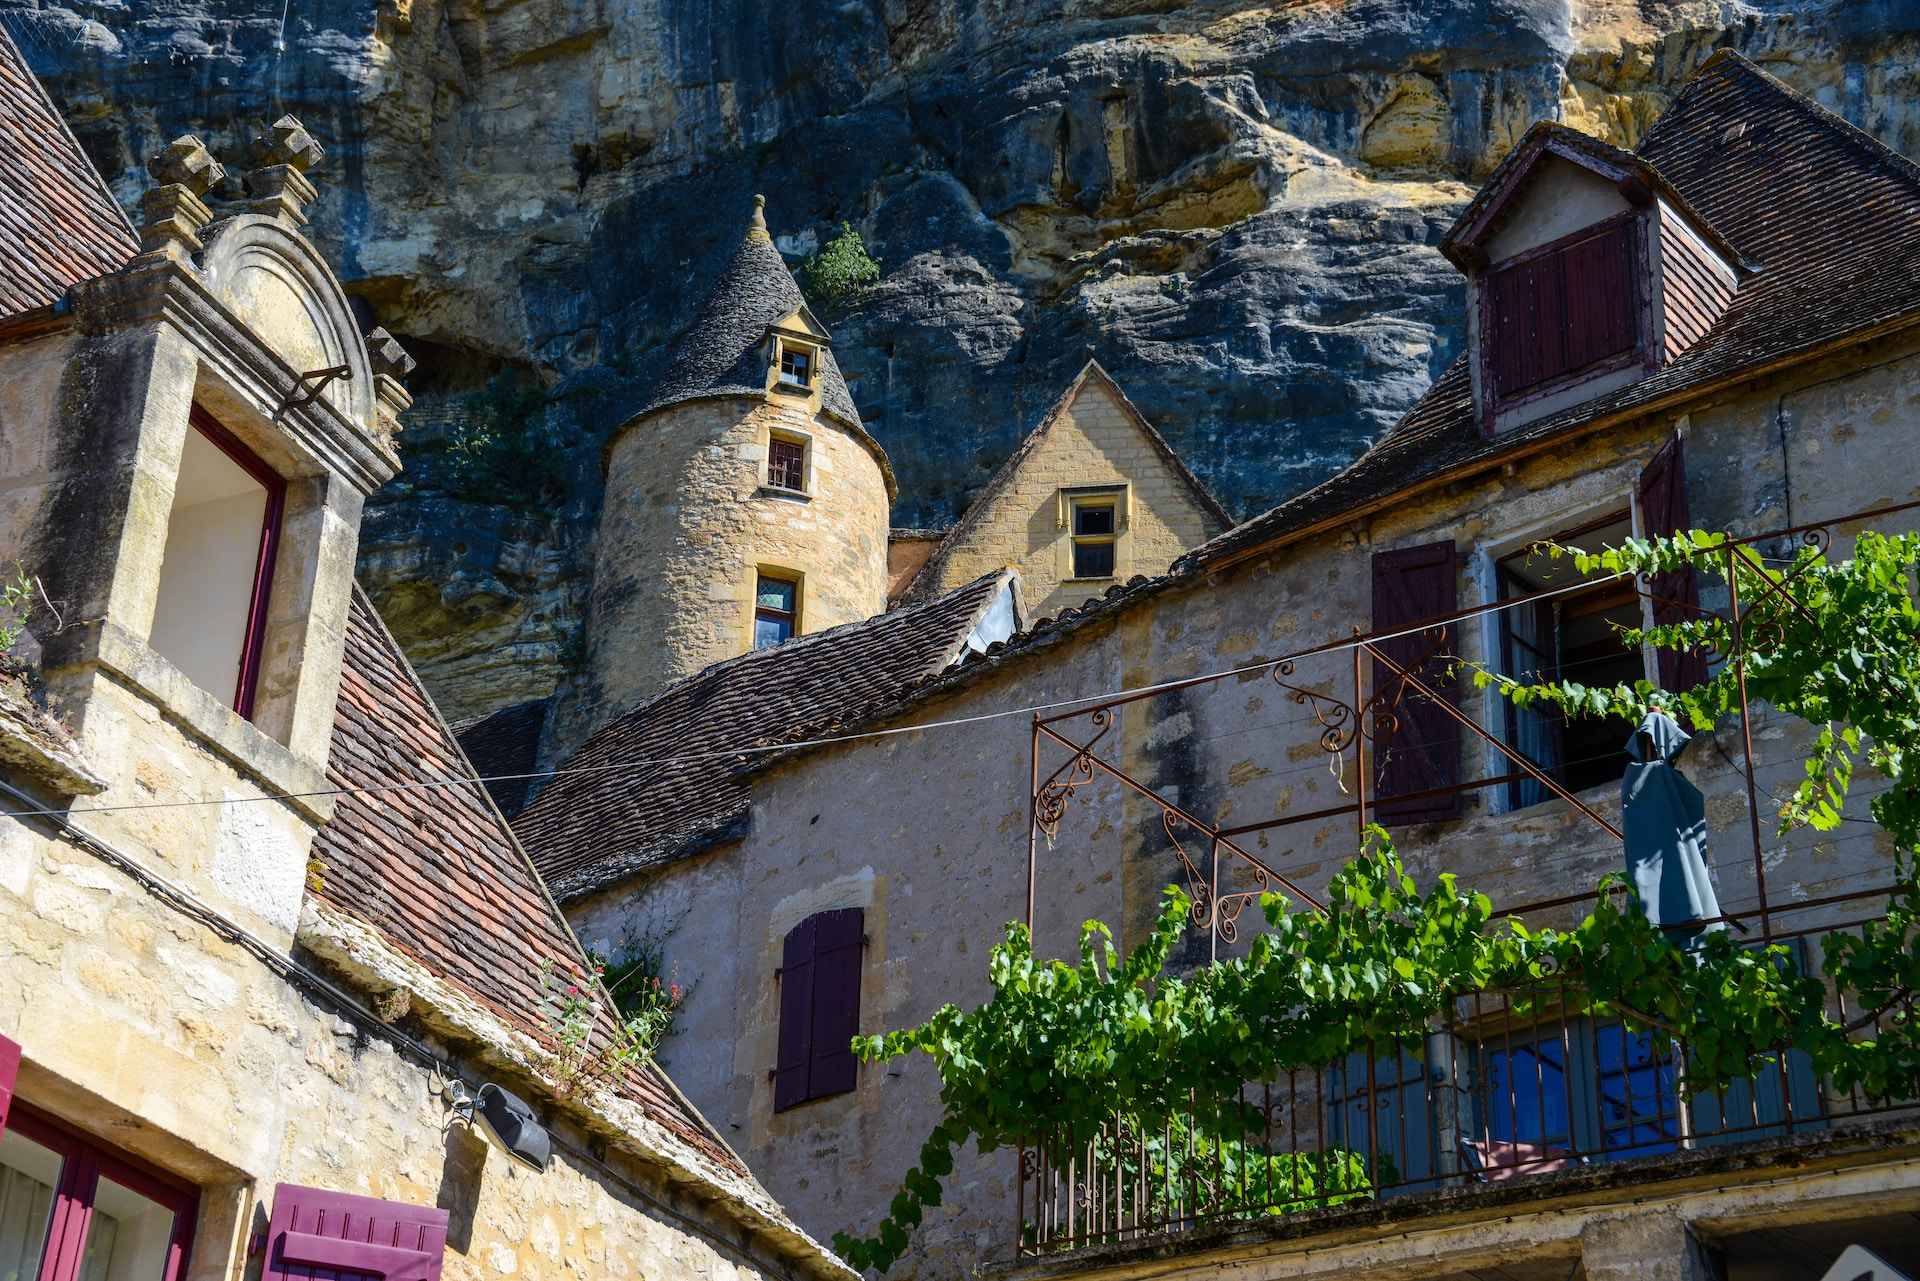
(793, 1067)
(1676, 594)
(316, 1235)
(836, 1001)
(1422, 751)
(9, 1072)
(1560, 311)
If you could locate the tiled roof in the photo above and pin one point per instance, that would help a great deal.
(721, 353)
(1830, 216)
(58, 222)
(636, 803)
(436, 870)
(1092, 371)
(503, 744)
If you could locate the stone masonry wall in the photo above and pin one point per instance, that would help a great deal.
(1092, 441)
(687, 524)
(937, 822)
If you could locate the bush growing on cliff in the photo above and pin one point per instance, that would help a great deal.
(500, 450)
(836, 272)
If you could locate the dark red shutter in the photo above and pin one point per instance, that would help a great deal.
(836, 1001)
(9, 1073)
(1676, 594)
(1560, 311)
(793, 1066)
(317, 1235)
(1422, 751)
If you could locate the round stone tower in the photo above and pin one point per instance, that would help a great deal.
(745, 504)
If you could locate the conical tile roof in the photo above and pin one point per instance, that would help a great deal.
(721, 353)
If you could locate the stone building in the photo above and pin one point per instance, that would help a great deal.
(1093, 496)
(268, 961)
(1720, 329)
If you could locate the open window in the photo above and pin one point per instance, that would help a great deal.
(776, 610)
(1095, 525)
(798, 363)
(1572, 635)
(71, 1210)
(210, 618)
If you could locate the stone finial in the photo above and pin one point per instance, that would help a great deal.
(173, 211)
(186, 162)
(390, 363)
(757, 225)
(287, 142)
(279, 185)
(388, 356)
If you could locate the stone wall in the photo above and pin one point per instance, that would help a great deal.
(689, 523)
(939, 821)
(1092, 440)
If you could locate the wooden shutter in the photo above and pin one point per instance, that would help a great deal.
(317, 1235)
(1558, 311)
(836, 1001)
(1676, 594)
(793, 1066)
(9, 1072)
(1410, 586)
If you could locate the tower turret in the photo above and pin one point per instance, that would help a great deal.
(745, 503)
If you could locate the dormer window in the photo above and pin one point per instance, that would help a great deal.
(1563, 311)
(796, 366)
(216, 578)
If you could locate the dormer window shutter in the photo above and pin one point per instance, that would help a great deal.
(318, 1233)
(819, 1008)
(1562, 308)
(9, 1073)
(1410, 585)
(1676, 593)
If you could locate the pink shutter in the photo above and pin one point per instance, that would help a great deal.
(1422, 752)
(316, 1235)
(839, 942)
(1676, 595)
(793, 1065)
(9, 1072)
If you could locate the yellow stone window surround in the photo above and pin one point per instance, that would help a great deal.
(1091, 517)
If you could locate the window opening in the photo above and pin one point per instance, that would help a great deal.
(1095, 537)
(786, 464)
(74, 1211)
(796, 366)
(216, 573)
(776, 612)
(1573, 637)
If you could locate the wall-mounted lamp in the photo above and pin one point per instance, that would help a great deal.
(503, 1117)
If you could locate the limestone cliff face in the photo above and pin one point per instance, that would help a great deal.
(1231, 203)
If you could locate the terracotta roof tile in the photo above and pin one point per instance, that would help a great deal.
(436, 870)
(58, 222)
(631, 807)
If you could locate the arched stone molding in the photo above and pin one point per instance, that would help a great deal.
(276, 283)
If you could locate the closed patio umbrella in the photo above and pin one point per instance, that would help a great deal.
(1665, 821)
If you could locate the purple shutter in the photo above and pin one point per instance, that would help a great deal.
(793, 1067)
(316, 1235)
(9, 1072)
(836, 1001)
(1422, 751)
(1676, 594)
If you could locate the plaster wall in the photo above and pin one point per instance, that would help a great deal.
(688, 524)
(941, 818)
(1579, 198)
(1092, 442)
(207, 576)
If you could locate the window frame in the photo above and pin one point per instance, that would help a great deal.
(809, 351)
(1110, 500)
(260, 598)
(794, 440)
(1639, 285)
(763, 574)
(84, 1160)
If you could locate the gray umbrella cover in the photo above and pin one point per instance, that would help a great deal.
(1665, 822)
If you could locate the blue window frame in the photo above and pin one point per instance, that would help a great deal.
(1387, 1117)
(775, 611)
